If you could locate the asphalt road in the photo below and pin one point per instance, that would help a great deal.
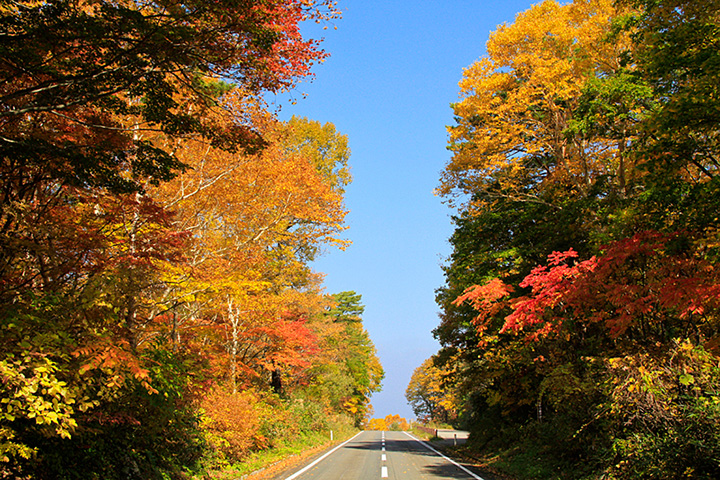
(377, 455)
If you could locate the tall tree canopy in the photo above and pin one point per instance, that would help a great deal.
(580, 306)
(511, 139)
(76, 66)
(157, 224)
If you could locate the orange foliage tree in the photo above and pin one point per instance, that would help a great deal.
(255, 221)
(115, 289)
(389, 423)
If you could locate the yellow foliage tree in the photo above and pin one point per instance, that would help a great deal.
(255, 220)
(389, 423)
(511, 137)
(428, 395)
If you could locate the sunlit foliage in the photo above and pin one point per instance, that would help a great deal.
(580, 314)
(158, 310)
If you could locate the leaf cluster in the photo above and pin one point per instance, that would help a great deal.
(157, 225)
(583, 276)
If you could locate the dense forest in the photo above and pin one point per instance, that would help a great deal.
(159, 316)
(158, 312)
(580, 318)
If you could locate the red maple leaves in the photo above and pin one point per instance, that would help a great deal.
(644, 284)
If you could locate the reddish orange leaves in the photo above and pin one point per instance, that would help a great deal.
(642, 285)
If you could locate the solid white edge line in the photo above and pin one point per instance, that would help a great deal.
(443, 456)
(297, 474)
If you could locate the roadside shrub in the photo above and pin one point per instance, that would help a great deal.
(139, 434)
(233, 422)
(665, 414)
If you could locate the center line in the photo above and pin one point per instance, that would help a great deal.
(384, 473)
(384, 457)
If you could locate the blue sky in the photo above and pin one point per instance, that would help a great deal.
(388, 85)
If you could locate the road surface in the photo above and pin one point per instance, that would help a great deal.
(378, 455)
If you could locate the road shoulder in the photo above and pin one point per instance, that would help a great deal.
(287, 466)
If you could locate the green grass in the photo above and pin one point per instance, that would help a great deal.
(527, 463)
(263, 459)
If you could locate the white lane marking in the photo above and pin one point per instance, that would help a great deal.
(384, 470)
(446, 458)
(297, 474)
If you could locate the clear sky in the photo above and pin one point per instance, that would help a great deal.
(388, 85)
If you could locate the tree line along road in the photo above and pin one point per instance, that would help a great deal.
(378, 455)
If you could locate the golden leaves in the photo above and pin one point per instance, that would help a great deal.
(255, 220)
(517, 103)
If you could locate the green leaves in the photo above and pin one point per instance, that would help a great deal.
(599, 344)
(31, 390)
(686, 379)
(347, 307)
(102, 104)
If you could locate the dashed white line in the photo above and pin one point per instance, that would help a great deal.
(384, 469)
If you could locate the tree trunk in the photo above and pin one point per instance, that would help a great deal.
(276, 381)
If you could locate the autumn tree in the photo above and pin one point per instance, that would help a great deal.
(532, 183)
(348, 371)
(586, 248)
(429, 396)
(76, 64)
(326, 148)
(601, 325)
(389, 423)
(256, 220)
(101, 103)
(511, 139)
